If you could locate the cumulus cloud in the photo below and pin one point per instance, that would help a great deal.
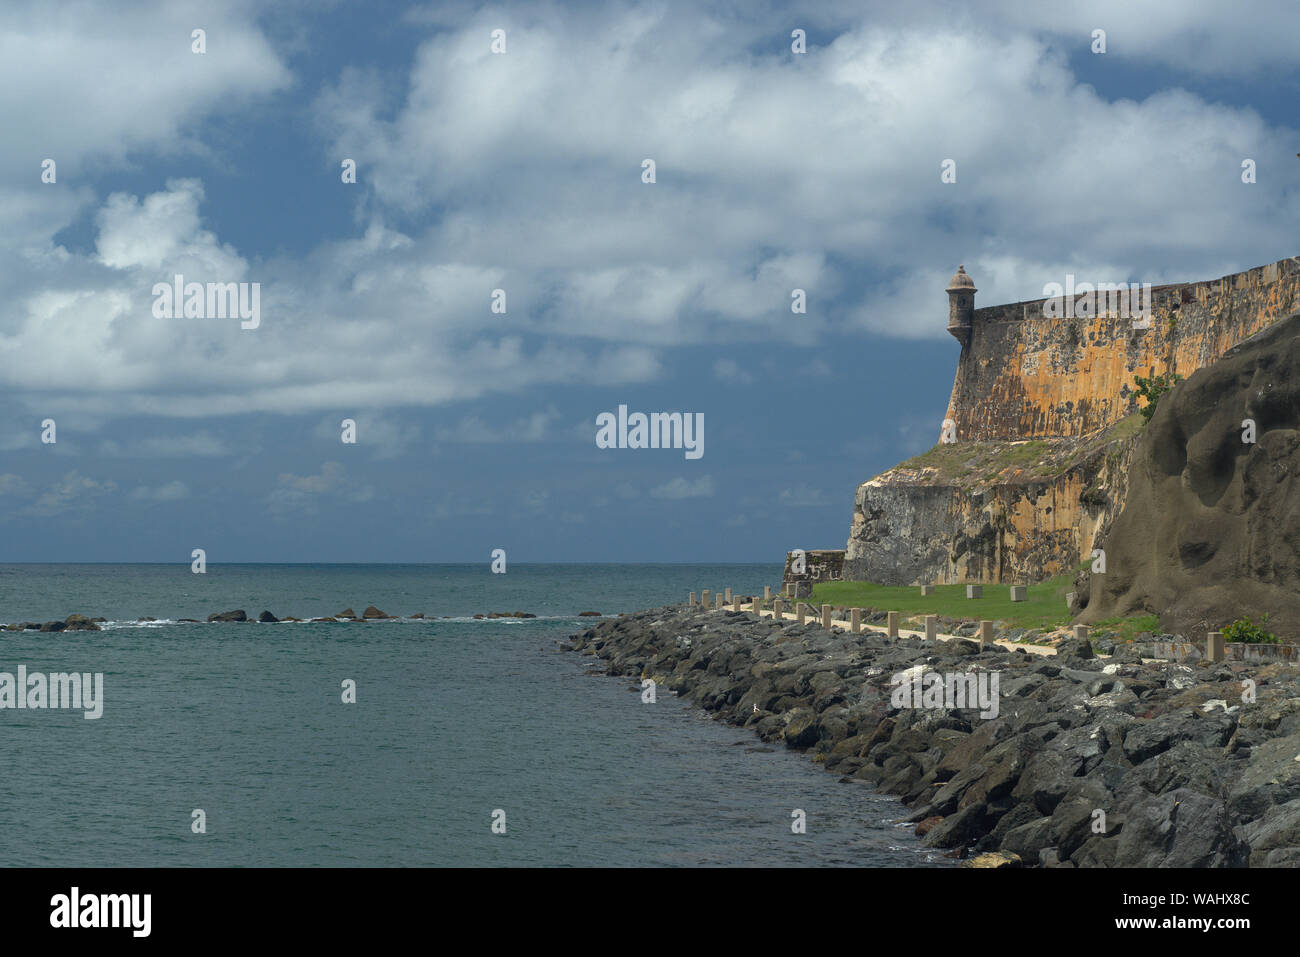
(679, 488)
(169, 492)
(202, 444)
(804, 497)
(774, 172)
(386, 436)
(74, 492)
(534, 427)
(729, 370)
(305, 492)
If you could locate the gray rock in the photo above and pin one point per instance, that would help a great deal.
(237, 615)
(1271, 776)
(1180, 829)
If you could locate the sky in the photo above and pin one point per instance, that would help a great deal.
(523, 170)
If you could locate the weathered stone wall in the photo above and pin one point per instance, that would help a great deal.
(820, 565)
(1023, 375)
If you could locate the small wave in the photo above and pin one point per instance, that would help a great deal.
(136, 623)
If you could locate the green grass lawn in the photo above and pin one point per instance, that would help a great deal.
(1130, 628)
(1044, 608)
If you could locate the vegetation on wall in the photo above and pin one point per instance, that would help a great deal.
(1152, 388)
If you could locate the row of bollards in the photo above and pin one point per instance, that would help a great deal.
(1214, 650)
(1017, 592)
(803, 610)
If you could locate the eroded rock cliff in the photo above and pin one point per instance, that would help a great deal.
(1210, 530)
(989, 511)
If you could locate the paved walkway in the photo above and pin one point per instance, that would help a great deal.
(910, 633)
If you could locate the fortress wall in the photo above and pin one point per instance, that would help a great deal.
(1023, 375)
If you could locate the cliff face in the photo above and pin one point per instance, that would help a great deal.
(1210, 531)
(989, 511)
(1041, 454)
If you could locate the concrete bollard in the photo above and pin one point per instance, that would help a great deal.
(1069, 599)
(767, 592)
(704, 599)
(1215, 649)
(927, 590)
(789, 589)
(932, 627)
(735, 603)
(826, 617)
(1081, 631)
(778, 609)
(1019, 593)
(799, 613)
(974, 591)
(728, 593)
(717, 601)
(855, 620)
(692, 599)
(893, 624)
(986, 635)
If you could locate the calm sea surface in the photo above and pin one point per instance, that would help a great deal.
(454, 719)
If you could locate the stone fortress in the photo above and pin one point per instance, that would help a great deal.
(1039, 433)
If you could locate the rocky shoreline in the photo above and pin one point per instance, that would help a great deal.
(1085, 762)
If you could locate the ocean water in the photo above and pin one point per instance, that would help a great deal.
(455, 719)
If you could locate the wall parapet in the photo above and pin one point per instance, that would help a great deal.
(1026, 375)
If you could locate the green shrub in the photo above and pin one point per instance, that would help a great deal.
(1244, 630)
(1152, 389)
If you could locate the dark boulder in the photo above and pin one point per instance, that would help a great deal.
(1182, 829)
(267, 617)
(1271, 776)
(1146, 739)
(965, 827)
(237, 615)
(1278, 829)
(1075, 648)
(802, 731)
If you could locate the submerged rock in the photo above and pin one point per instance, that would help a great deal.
(237, 615)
